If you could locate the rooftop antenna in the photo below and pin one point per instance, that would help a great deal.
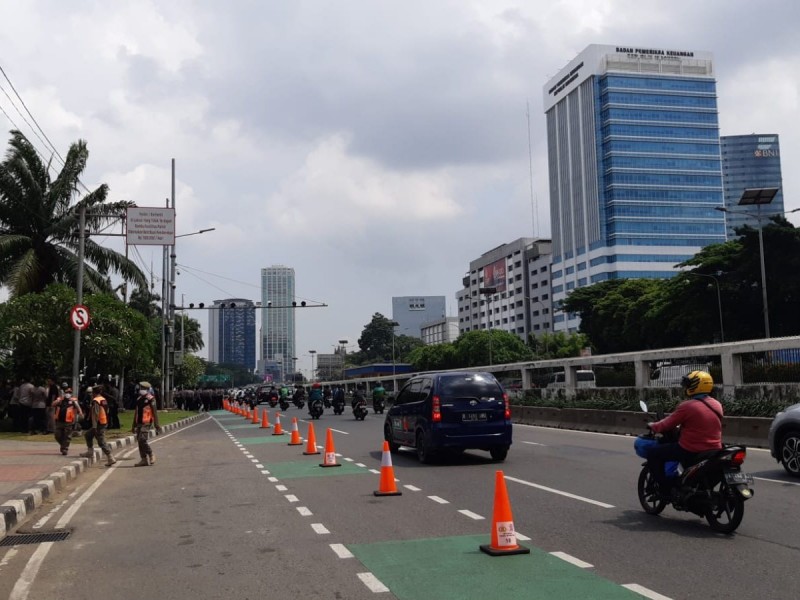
(534, 204)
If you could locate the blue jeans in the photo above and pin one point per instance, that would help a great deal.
(661, 454)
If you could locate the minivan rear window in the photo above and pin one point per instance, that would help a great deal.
(473, 386)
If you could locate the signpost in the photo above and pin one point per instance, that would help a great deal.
(79, 317)
(150, 226)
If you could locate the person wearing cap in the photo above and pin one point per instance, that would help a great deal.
(67, 413)
(98, 421)
(145, 417)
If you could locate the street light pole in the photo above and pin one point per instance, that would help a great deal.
(394, 365)
(343, 344)
(487, 292)
(312, 353)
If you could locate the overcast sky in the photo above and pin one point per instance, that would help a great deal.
(376, 147)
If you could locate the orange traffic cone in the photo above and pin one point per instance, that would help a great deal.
(254, 421)
(265, 420)
(295, 440)
(278, 429)
(387, 486)
(311, 445)
(504, 536)
(330, 452)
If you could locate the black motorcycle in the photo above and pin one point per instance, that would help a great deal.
(338, 405)
(360, 408)
(714, 486)
(326, 398)
(284, 402)
(378, 405)
(273, 401)
(316, 408)
(299, 399)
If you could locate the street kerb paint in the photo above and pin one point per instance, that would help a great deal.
(278, 430)
(387, 486)
(330, 451)
(311, 445)
(295, 439)
(504, 536)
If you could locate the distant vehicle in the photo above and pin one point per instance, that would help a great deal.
(439, 412)
(784, 439)
(669, 375)
(585, 379)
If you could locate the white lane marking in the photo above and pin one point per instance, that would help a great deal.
(471, 515)
(254, 460)
(304, 511)
(41, 522)
(341, 551)
(373, 583)
(291, 498)
(559, 492)
(272, 479)
(12, 552)
(375, 471)
(320, 528)
(265, 471)
(635, 587)
(534, 443)
(281, 488)
(775, 480)
(362, 465)
(522, 538)
(259, 466)
(23, 586)
(571, 559)
(413, 488)
(349, 459)
(438, 499)
(338, 431)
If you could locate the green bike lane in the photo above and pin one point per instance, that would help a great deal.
(416, 546)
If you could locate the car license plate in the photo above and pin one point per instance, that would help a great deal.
(476, 416)
(739, 478)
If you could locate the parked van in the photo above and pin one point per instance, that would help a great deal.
(585, 379)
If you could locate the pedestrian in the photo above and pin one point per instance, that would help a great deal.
(67, 415)
(53, 392)
(145, 417)
(24, 399)
(38, 420)
(112, 395)
(98, 423)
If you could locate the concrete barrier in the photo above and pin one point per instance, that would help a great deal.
(751, 431)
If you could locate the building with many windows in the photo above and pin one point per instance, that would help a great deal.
(232, 332)
(634, 165)
(750, 161)
(520, 303)
(411, 312)
(277, 321)
(439, 331)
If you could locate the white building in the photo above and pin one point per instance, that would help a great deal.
(440, 331)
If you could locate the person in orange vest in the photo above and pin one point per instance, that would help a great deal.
(98, 417)
(67, 413)
(145, 417)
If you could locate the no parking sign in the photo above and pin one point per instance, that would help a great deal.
(79, 317)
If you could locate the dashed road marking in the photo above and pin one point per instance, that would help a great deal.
(375, 471)
(281, 488)
(341, 551)
(413, 488)
(559, 492)
(259, 466)
(304, 511)
(272, 479)
(438, 499)
(572, 560)
(635, 587)
(291, 498)
(320, 528)
(339, 431)
(265, 471)
(362, 465)
(471, 515)
(373, 583)
(349, 459)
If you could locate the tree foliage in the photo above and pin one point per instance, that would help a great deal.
(379, 343)
(39, 225)
(471, 349)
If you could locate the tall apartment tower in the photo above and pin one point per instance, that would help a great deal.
(750, 161)
(232, 332)
(634, 165)
(277, 321)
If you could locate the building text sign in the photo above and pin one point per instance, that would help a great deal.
(150, 226)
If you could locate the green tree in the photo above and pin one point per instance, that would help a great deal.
(190, 336)
(480, 348)
(433, 357)
(558, 345)
(39, 225)
(375, 342)
(187, 374)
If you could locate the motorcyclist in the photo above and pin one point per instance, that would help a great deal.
(378, 396)
(284, 391)
(338, 398)
(273, 395)
(359, 395)
(327, 395)
(700, 421)
(315, 395)
(299, 395)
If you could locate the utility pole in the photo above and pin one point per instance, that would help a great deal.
(76, 348)
(172, 282)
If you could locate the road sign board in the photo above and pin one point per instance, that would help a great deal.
(150, 226)
(79, 317)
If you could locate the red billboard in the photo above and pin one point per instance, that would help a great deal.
(494, 275)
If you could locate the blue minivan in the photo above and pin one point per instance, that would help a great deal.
(453, 411)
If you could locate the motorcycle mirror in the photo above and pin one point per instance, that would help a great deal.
(643, 406)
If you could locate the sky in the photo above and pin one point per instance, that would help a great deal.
(376, 147)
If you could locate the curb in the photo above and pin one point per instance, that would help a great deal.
(14, 511)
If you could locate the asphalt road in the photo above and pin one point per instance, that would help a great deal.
(231, 511)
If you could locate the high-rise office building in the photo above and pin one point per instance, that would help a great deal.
(232, 332)
(634, 165)
(411, 312)
(750, 161)
(277, 322)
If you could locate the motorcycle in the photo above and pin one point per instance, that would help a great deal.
(284, 402)
(326, 399)
(378, 405)
(713, 487)
(316, 408)
(299, 400)
(360, 409)
(338, 406)
(273, 401)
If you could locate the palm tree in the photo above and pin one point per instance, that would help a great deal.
(39, 224)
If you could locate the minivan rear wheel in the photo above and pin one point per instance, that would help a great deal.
(790, 453)
(387, 435)
(424, 453)
(498, 454)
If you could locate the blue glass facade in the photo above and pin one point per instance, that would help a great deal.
(232, 338)
(750, 161)
(278, 321)
(634, 164)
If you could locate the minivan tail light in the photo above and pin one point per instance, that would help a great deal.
(507, 406)
(738, 457)
(436, 416)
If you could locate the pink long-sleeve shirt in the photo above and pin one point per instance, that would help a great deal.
(701, 429)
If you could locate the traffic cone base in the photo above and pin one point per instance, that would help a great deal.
(387, 485)
(504, 536)
(330, 452)
(311, 445)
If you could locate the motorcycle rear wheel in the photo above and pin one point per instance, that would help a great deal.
(727, 508)
(649, 493)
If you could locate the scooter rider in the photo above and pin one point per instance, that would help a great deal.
(359, 395)
(338, 399)
(273, 396)
(700, 421)
(378, 396)
(315, 399)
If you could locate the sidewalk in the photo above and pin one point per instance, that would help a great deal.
(31, 472)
